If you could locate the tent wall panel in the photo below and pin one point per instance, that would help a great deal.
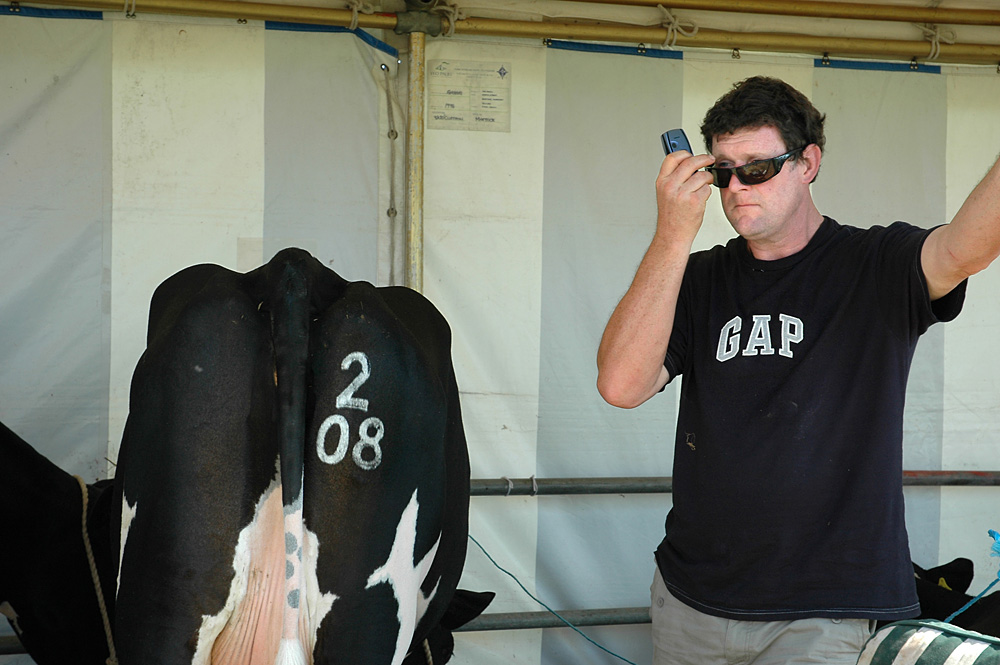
(483, 269)
(604, 115)
(55, 217)
(188, 160)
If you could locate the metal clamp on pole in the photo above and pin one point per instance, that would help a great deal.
(425, 22)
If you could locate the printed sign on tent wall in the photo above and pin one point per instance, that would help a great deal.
(463, 94)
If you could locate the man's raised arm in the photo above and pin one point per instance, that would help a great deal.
(630, 357)
(969, 243)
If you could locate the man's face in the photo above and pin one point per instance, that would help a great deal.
(772, 211)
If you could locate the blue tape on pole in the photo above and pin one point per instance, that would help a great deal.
(35, 12)
(877, 66)
(619, 50)
(20, 10)
(309, 27)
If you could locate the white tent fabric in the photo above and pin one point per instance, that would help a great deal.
(132, 148)
(321, 151)
(55, 149)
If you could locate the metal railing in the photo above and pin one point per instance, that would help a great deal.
(618, 616)
(664, 484)
(637, 485)
(614, 485)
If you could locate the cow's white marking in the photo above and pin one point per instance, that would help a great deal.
(405, 578)
(346, 399)
(7, 610)
(253, 576)
(128, 514)
(294, 532)
(290, 653)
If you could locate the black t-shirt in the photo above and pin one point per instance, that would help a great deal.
(787, 488)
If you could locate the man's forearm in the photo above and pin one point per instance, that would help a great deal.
(630, 357)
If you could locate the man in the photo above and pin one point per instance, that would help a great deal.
(786, 537)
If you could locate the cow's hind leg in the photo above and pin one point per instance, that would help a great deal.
(196, 462)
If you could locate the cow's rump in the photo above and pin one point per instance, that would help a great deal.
(210, 558)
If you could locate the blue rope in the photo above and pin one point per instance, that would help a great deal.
(556, 614)
(995, 552)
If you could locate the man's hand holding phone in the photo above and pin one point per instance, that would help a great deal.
(682, 188)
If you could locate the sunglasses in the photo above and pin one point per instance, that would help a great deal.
(752, 173)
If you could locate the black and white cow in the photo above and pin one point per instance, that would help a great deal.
(942, 591)
(46, 588)
(293, 481)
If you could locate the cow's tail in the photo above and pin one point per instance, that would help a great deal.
(290, 335)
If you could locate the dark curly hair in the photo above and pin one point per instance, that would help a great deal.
(762, 101)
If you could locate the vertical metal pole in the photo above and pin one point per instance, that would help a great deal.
(415, 165)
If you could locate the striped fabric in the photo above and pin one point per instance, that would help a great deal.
(929, 642)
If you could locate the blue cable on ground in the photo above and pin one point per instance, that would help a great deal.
(995, 552)
(554, 613)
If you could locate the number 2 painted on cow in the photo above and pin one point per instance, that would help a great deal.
(346, 399)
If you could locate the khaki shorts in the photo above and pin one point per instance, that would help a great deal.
(684, 636)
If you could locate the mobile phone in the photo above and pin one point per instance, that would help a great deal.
(675, 140)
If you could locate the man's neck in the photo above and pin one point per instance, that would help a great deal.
(794, 240)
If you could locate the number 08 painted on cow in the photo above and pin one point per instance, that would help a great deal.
(366, 439)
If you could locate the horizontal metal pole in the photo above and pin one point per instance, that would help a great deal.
(664, 484)
(776, 42)
(523, 620)
(254, 11)
(941, 478)
(868, 11)
(817, 45)
(529, 486)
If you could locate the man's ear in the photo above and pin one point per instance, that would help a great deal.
(811, 157)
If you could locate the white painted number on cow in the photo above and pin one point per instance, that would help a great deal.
(369, 442)
(370, 432)
(346, 399)
(338, 455)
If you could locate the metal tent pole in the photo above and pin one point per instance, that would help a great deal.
(840, 10)
(415, 163)
(899, 49)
